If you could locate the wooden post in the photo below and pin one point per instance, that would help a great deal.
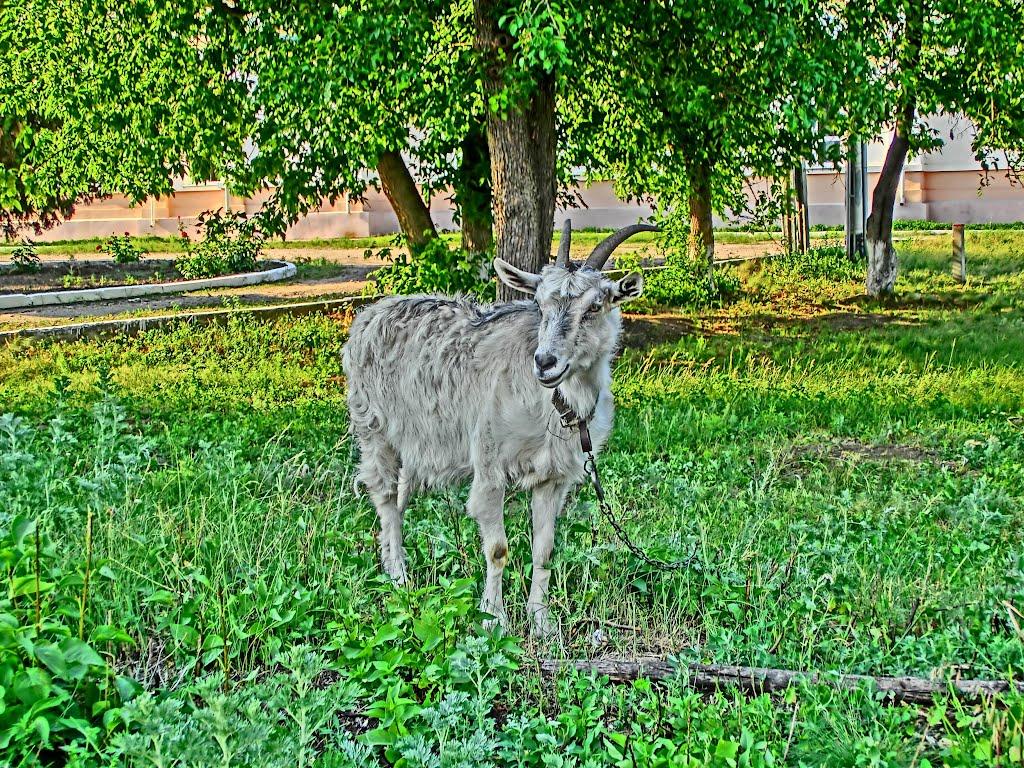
(795, 222)
(959, 254)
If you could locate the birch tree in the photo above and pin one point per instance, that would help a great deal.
(935, 56)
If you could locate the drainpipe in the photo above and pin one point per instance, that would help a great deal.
(856, 198)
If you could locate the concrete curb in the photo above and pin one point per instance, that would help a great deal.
(26, 300)
(137, 325)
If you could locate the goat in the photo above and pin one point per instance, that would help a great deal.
(441, 389)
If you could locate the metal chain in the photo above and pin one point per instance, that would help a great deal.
(590, 466)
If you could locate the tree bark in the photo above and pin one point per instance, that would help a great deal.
(474, 194)
(757, 680)
(522, 147)
(406, 200)
(702, 230)
(883, 264)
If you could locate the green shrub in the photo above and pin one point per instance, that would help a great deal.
(825, 262)
(230, 244)
(282, 721)
(56, 691)
(25, 259)
(681, 282)
(121, 249)
(434, 268)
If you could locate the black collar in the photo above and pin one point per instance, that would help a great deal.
(572, 419)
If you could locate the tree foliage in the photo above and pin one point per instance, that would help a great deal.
(687, 100)
(499, 102)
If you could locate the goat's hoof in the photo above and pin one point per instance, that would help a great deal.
(498, 619)
(398, 575)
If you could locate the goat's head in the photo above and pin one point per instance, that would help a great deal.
(579, 319)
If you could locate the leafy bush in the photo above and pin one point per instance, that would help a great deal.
(230, 243)
(825, 262)
(681, 282)
(25, 258)
(121, 249)
(434, 268)
(55, 689)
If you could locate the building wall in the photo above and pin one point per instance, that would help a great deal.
(942, 186)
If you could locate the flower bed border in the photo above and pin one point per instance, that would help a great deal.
(133, 326)
(284, 271)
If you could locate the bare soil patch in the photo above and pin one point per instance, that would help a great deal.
(846, 450)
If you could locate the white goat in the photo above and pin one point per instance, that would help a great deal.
(441, 389)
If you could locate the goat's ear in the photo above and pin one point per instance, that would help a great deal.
(629, 287)
(513, 277)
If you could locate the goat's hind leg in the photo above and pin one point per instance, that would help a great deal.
(389, 489)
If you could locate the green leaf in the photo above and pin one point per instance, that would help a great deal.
(428, 633)
(727, 749)
(160, 597)
(23, 527)
(32, 685)
(127, 688)
(42, 726)
(78, 651)
(108, 634)
(26, 585)
(50, 655)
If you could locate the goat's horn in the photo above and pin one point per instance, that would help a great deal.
(604, 249)
(562, 260)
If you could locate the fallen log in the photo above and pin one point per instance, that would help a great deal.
(757, 680)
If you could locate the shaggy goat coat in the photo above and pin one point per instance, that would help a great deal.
(441, 389)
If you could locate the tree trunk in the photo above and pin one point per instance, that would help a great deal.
(702, 230)
(522, 147)
(882, 261)
(474, 194)
(405, 198)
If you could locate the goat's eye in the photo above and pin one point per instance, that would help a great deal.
(594, 308)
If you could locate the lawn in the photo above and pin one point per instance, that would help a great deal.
(848, 477)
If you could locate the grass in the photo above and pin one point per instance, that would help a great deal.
(585, 237)
(848, 474)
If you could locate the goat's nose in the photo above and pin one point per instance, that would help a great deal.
(544, 360)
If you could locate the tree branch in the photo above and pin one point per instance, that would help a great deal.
(757, 680)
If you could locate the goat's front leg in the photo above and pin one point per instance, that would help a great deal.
(548, 499)
(486, 506)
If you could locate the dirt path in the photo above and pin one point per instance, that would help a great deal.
(348, 280)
